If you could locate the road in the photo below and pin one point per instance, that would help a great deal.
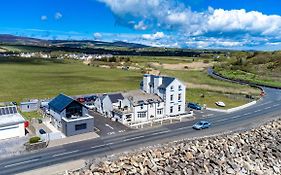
(267, 108)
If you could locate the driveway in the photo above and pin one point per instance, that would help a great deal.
(106, 126)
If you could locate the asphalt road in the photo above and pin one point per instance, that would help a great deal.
(267, 108)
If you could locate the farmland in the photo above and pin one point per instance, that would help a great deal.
(26, 78)
(38, 78)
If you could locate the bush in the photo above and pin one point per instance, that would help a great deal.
(34, 139)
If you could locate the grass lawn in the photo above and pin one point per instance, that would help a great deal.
(30, 115)
(143, 60)
(210, 97)
(201, 78)
(41, 78)
(38, 78)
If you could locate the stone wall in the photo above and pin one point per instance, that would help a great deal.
(257, 151)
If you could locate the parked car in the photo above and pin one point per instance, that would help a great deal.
(194, 106)
(80, 99)
(201, 125)
(220, 104)
(42, 131)
(90, 106)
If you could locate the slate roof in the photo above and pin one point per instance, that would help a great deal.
(115, 97)
(138, 97)
(167, 81)
(59, 103)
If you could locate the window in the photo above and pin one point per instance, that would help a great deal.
(171, 109)
(179, 108)
(141, 114)
(151, 105)
(159, 111)
(180, 88)
(172, 88)
(141, 106)
(80, 126)
(171, 98)
(179, 97)
(158, 104)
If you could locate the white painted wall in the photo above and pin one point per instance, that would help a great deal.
(175, 102)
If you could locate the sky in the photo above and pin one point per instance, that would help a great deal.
(204, 24)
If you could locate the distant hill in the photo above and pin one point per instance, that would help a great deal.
(12, 39)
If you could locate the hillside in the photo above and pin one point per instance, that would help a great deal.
(257, 67)
(11, 39)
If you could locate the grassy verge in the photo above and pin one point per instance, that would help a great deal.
(210, 97)
(30, 115)
(242, 75)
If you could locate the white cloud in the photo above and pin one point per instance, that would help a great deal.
(44, 17)
(97, 35)
(58, 16)
(140, 26)
(174, 15)
(155, 36)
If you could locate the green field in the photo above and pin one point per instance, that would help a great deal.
(38, 78)
(210, 97)
(24, 78)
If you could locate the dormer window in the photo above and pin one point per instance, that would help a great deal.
(172, 88)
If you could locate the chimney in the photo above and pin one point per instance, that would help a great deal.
(146, 83)
(157, 82)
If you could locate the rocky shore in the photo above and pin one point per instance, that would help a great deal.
(257, 151)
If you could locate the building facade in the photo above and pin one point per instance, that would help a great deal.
(70, 116)
(170, 89)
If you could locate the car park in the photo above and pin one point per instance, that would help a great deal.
(201, 125)
(194, 106)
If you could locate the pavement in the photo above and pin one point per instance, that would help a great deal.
(266, 109)
(106, 126)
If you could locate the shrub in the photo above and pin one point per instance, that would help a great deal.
(34, 139)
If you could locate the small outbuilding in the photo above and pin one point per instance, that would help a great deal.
(12, 124)
(29, 106)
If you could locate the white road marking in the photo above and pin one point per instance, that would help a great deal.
(187, 127)
(65, 153)
(20, 163)
(235, 117)
(222, 120)
(258, 110)
(264, 103)
(208, 115)
(275, 105)
(134, 138)
(162, 132)
(122, 131)
(109, 144)
(110, 133)
(99, 146)
(248, 113)
(109, 126)
(268, 107)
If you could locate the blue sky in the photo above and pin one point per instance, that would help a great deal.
(227, 24)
